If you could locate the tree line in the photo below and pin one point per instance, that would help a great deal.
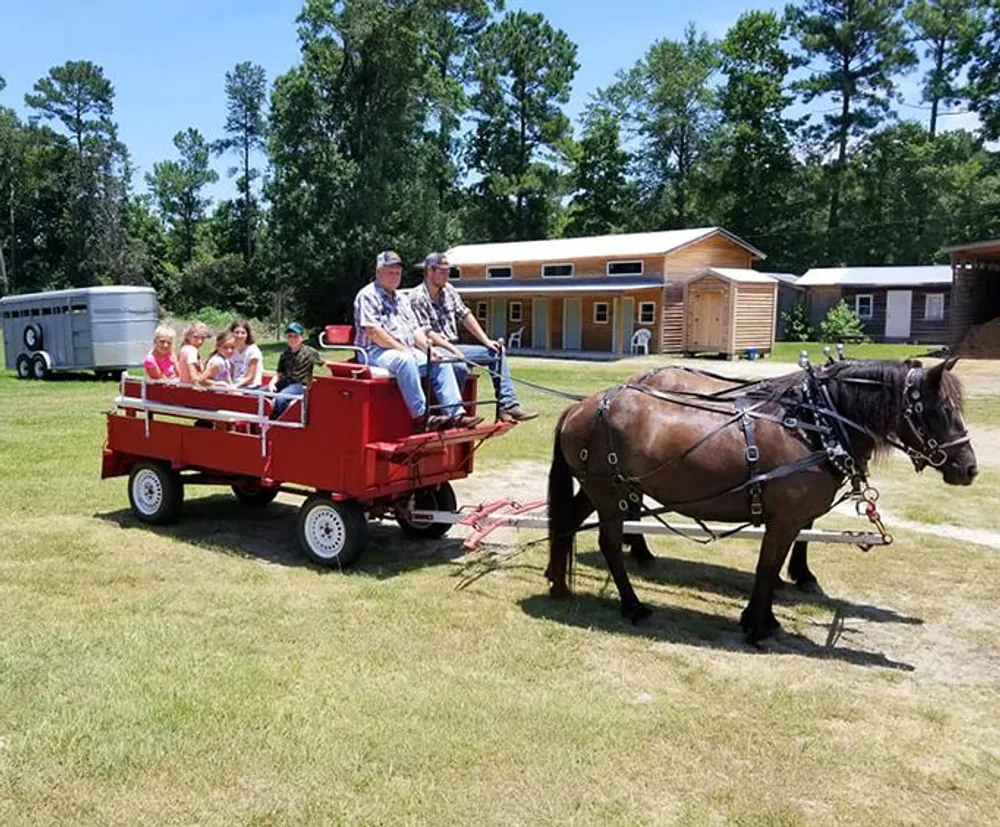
(416, 124)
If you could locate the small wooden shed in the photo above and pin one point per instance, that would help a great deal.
(730, 311)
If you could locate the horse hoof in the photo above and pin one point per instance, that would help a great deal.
(644, 562)
(559, 591)
(809, 586)
(636, 613)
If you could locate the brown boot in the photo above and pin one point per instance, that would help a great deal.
(437, 422)
(466, 421)
(517, 414)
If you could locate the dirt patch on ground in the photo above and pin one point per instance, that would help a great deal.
(982, 341)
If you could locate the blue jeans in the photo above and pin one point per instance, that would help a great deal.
(496, 362)
(285, 397)
(408, 368)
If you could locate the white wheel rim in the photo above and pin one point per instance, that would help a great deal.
(29, 335)
(24, 369)
(39, 368)
(325, 531)
(147, 492)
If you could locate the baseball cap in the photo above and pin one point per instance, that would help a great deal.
(436, 260)
(294, 327)
(388, 258)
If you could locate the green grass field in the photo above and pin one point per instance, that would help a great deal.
(203, 674)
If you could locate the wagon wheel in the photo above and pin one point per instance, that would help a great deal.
(155, 491)
(23, 365)
(253, 494)
(39, 366)
(441, 498)
(32, 337)
(332, 534)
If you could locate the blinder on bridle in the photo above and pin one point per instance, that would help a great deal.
(928, 451)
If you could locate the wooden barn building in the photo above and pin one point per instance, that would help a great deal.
(894, 304)
(976, 293)
(619, 294)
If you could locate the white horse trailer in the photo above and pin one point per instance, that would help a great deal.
(103, 329)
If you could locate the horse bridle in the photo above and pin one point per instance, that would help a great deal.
(930, 451)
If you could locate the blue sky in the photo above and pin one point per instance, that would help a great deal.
(167, 58)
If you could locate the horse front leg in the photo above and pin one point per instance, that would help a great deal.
(798, 566)
(758, 620)
(611, 547)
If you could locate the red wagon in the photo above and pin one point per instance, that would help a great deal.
(347, 447)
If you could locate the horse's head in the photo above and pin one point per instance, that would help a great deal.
(932, 429)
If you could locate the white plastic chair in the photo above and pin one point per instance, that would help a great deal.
(515, 338)
(640, 341)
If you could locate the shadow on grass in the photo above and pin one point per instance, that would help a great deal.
(674, 624)
(219, 523)
(736, 583)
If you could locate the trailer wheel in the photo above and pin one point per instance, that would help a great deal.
(332, 534)
(23, 365)
(32, 337)
(441, 498)
(253, 495)
(156, 492)
(39, 366)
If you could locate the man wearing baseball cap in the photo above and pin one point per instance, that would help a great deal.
(439, 310)
(388, 331)
(295, 369)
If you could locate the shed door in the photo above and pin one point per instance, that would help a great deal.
(898, 307)
(707, 327)
(540, 324)
(498, 328)
(572, 324)
(628, 322)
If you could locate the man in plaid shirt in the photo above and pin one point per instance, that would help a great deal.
(439, 310)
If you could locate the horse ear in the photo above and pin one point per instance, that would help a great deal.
(950, 362)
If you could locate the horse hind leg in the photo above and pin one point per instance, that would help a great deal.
(611, 535)
(757, 619)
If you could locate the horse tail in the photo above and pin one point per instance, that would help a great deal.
(562, 525)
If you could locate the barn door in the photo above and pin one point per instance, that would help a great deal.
(498, 325)
(572, 324)
(707, 327)
(540, 324)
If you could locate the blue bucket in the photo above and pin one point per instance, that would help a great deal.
(752, 354)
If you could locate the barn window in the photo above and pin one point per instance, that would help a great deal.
(515, 312)
(557, 271)
(499, 273)
(863, 305)
(647, 312)
(934, 307)
(601, 314)
(481, 312)
(454, 274)
(624, 268)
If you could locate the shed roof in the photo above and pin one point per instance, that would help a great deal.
(624, 246)
(536, 286)
(740, 276)
(910, 276)
(991, 247)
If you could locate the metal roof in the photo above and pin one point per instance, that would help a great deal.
(535, 286)
(876, 276)
(74, 292)
(624, 247)
(740, 276)
(992, 246)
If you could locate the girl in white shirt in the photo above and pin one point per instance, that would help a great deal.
(247, 360)
(219, 370)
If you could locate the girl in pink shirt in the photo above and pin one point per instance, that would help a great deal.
(160, 362)
(189, 361)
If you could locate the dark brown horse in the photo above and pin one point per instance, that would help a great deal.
(695, 451)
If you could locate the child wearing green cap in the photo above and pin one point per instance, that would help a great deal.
(295, 369)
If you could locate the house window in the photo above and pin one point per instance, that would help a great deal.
(647, 312)
(863, 305)
(454, 274)
(624, 268)
(481, 312)
(499, 273)
(557, 271)
(515, 312)
(934, 307)
(600, 312)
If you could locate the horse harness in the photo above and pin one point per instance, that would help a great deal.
(808, 408)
